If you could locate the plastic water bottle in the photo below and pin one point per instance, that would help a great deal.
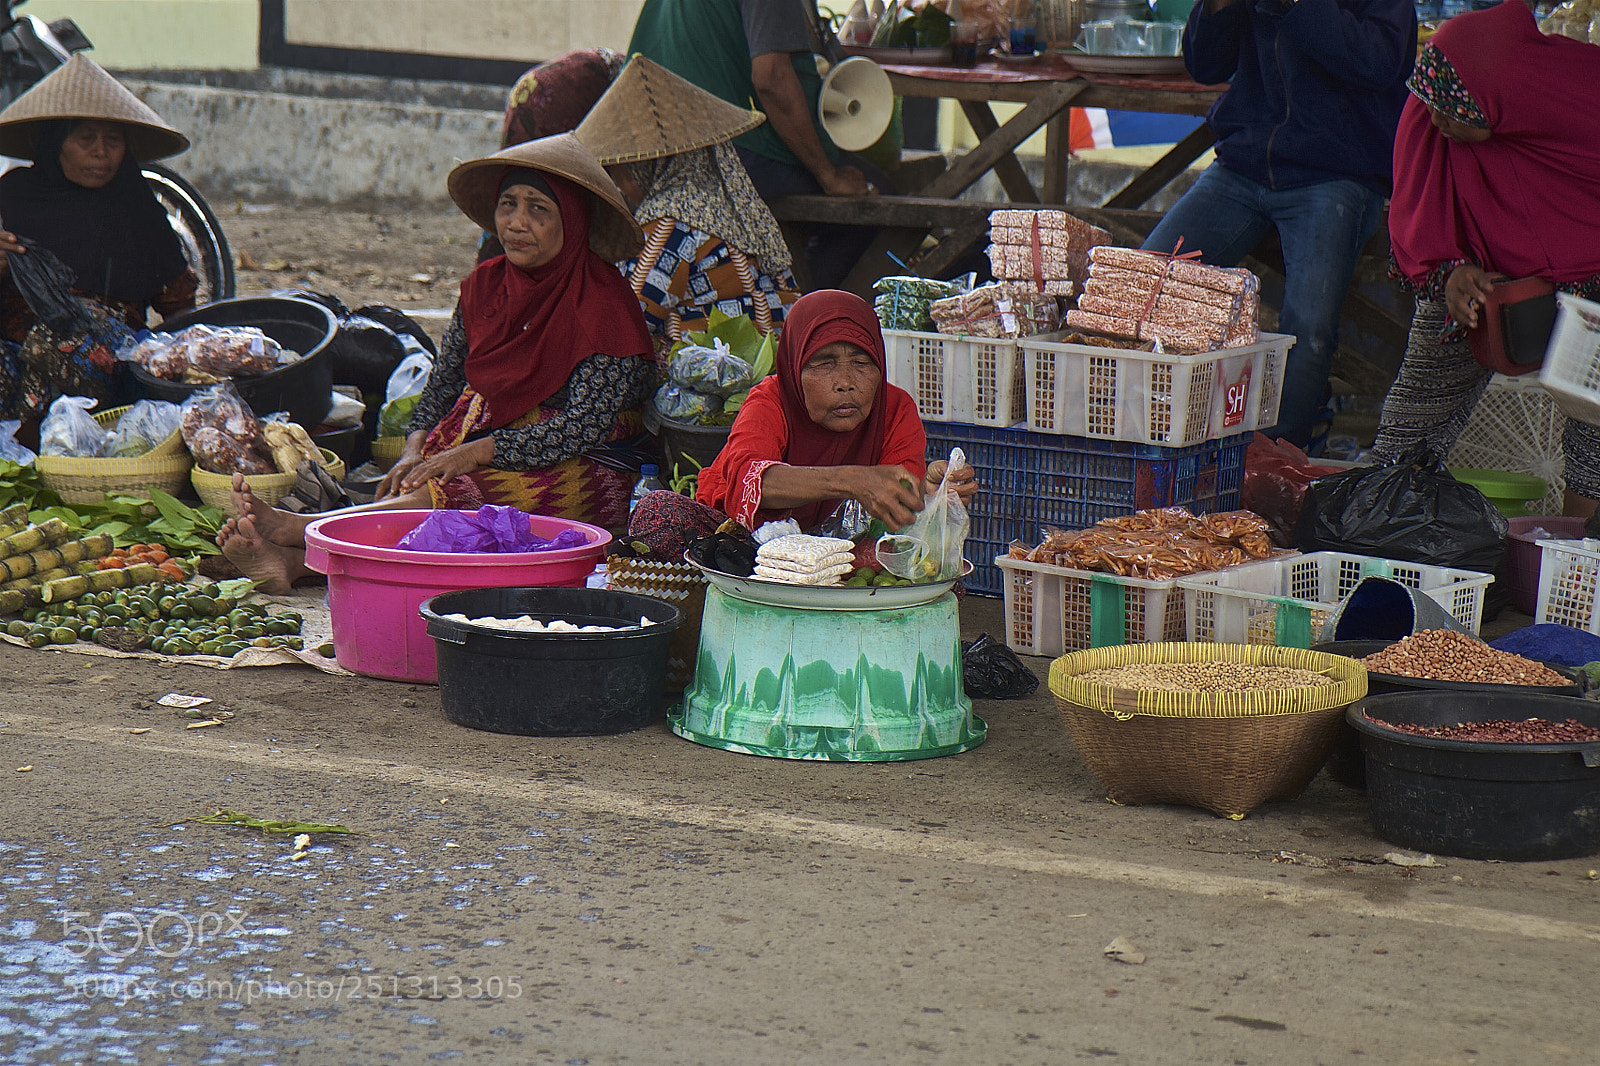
(649, 482)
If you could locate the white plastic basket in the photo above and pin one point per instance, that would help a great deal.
(974, 380)
(1172, 400)
(1571, 369)
(1285, 601)
(1052, 610)
(1567, 573)
(1516, 427)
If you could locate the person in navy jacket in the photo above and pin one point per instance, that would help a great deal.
(1305, 136)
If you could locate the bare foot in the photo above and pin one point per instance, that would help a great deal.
(274, 566)
(284, 528)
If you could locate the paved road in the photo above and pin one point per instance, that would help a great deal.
(640, 899)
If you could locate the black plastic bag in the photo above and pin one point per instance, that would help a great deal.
(992, 671)
(399, 322)
(46, 285)
(1412, 511)
(365, 353)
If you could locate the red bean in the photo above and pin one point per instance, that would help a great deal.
(1505, 731)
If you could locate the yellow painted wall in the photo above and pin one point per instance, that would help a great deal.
(490, 29)
(164, 34)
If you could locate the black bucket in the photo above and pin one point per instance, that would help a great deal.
(303, 388)
(552, 684)
(1346, 764)
(1478, 800)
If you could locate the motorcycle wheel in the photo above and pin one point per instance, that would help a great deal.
(198, 230)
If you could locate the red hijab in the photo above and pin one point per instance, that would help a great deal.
(527, 330)
(1526, 202)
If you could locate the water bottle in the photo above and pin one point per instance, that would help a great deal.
(649, 482)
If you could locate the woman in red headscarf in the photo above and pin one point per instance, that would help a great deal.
(825, 428)
(546, 359)
(1496, 165)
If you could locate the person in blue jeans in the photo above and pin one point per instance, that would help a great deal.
(1305, 135)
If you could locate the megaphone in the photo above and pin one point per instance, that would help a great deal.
(856, 104)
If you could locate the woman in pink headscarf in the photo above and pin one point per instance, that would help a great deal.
(1496, 165)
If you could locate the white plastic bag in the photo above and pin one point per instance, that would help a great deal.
(11, 449)
(400, 396)
(143, 426)
(930, 548)
(69, 430)
(346, 412)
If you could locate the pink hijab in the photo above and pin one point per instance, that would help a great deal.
(1526, 202)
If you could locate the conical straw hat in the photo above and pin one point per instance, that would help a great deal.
(475, 186)
(81, 89)
(649, 112)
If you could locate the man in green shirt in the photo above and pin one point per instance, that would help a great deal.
(759, 53)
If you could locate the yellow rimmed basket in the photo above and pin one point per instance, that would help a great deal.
(217, 489)
(77, 480)
(1222, 752)
(386, 450)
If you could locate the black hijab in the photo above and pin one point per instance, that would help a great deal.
(116, 239)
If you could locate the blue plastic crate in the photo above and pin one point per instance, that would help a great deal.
(1032, 480)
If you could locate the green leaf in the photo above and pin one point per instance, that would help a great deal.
(175, 513)
(236, 587)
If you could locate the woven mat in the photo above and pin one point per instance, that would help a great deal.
(1052, 66)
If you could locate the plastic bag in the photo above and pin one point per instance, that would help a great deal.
(46, 286)
(848, 521)
(346, 412)
(491, 528)
(993, 671)
(222, 433)
(930, 548)
(365, 352)
(1551, 643)
(11, 449)
(1410, 511)
(715, 371)
(685, 405)
(401, 392)
(1276, 474)
(143, 426)
(70, 430)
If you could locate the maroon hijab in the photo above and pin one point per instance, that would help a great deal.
(1526, 202)
(527, 330)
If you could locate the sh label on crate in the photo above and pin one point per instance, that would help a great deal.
(1235, 395)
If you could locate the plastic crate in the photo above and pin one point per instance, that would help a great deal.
(1285, 601)
(1028, 481)
(1567, 574)
(1516, 426)
(1052, 610)
(1150, 398)
(1571, 369)
(975, 380)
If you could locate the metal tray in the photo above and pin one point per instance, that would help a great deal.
(828, 597)
(1092, 64)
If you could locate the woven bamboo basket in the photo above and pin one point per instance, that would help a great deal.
(386, 450)
(75, 480)
(681, 585)
(217, 489)
(1222, 752)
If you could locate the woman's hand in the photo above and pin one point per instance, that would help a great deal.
(889, 493)
(1465, 291)
(462, 459)
(964, 480)
(9, 243)
(410, 456)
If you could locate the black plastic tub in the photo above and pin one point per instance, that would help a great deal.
(1346, 764)
(303, 388)
(552, 684)
(1521, 802)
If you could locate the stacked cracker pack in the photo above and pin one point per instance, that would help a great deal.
(1004, 309)
(1184, 305)
(799, 559)
(1048, 248)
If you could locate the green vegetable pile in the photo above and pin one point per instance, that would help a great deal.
(170, 620)
(185, 530)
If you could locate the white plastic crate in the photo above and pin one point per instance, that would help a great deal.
(1052, 610)
(1571, 369)
(1567, 573)
(1517, 427)
(1172, 400)
(1285, 601)
(975, 380)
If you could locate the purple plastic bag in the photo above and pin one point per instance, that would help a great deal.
(490, 529)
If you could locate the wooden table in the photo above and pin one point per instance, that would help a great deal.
(1372, 341)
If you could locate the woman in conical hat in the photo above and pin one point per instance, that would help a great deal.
(84, 201)
(546, 358)
(710, 240)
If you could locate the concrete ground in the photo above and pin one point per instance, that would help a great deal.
(641, 899)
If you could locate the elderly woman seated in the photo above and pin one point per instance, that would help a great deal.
(546, 358)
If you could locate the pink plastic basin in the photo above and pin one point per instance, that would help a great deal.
(374, 588)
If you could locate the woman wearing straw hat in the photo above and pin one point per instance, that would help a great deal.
(710, 240)
(85, 201)
(546, 358)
